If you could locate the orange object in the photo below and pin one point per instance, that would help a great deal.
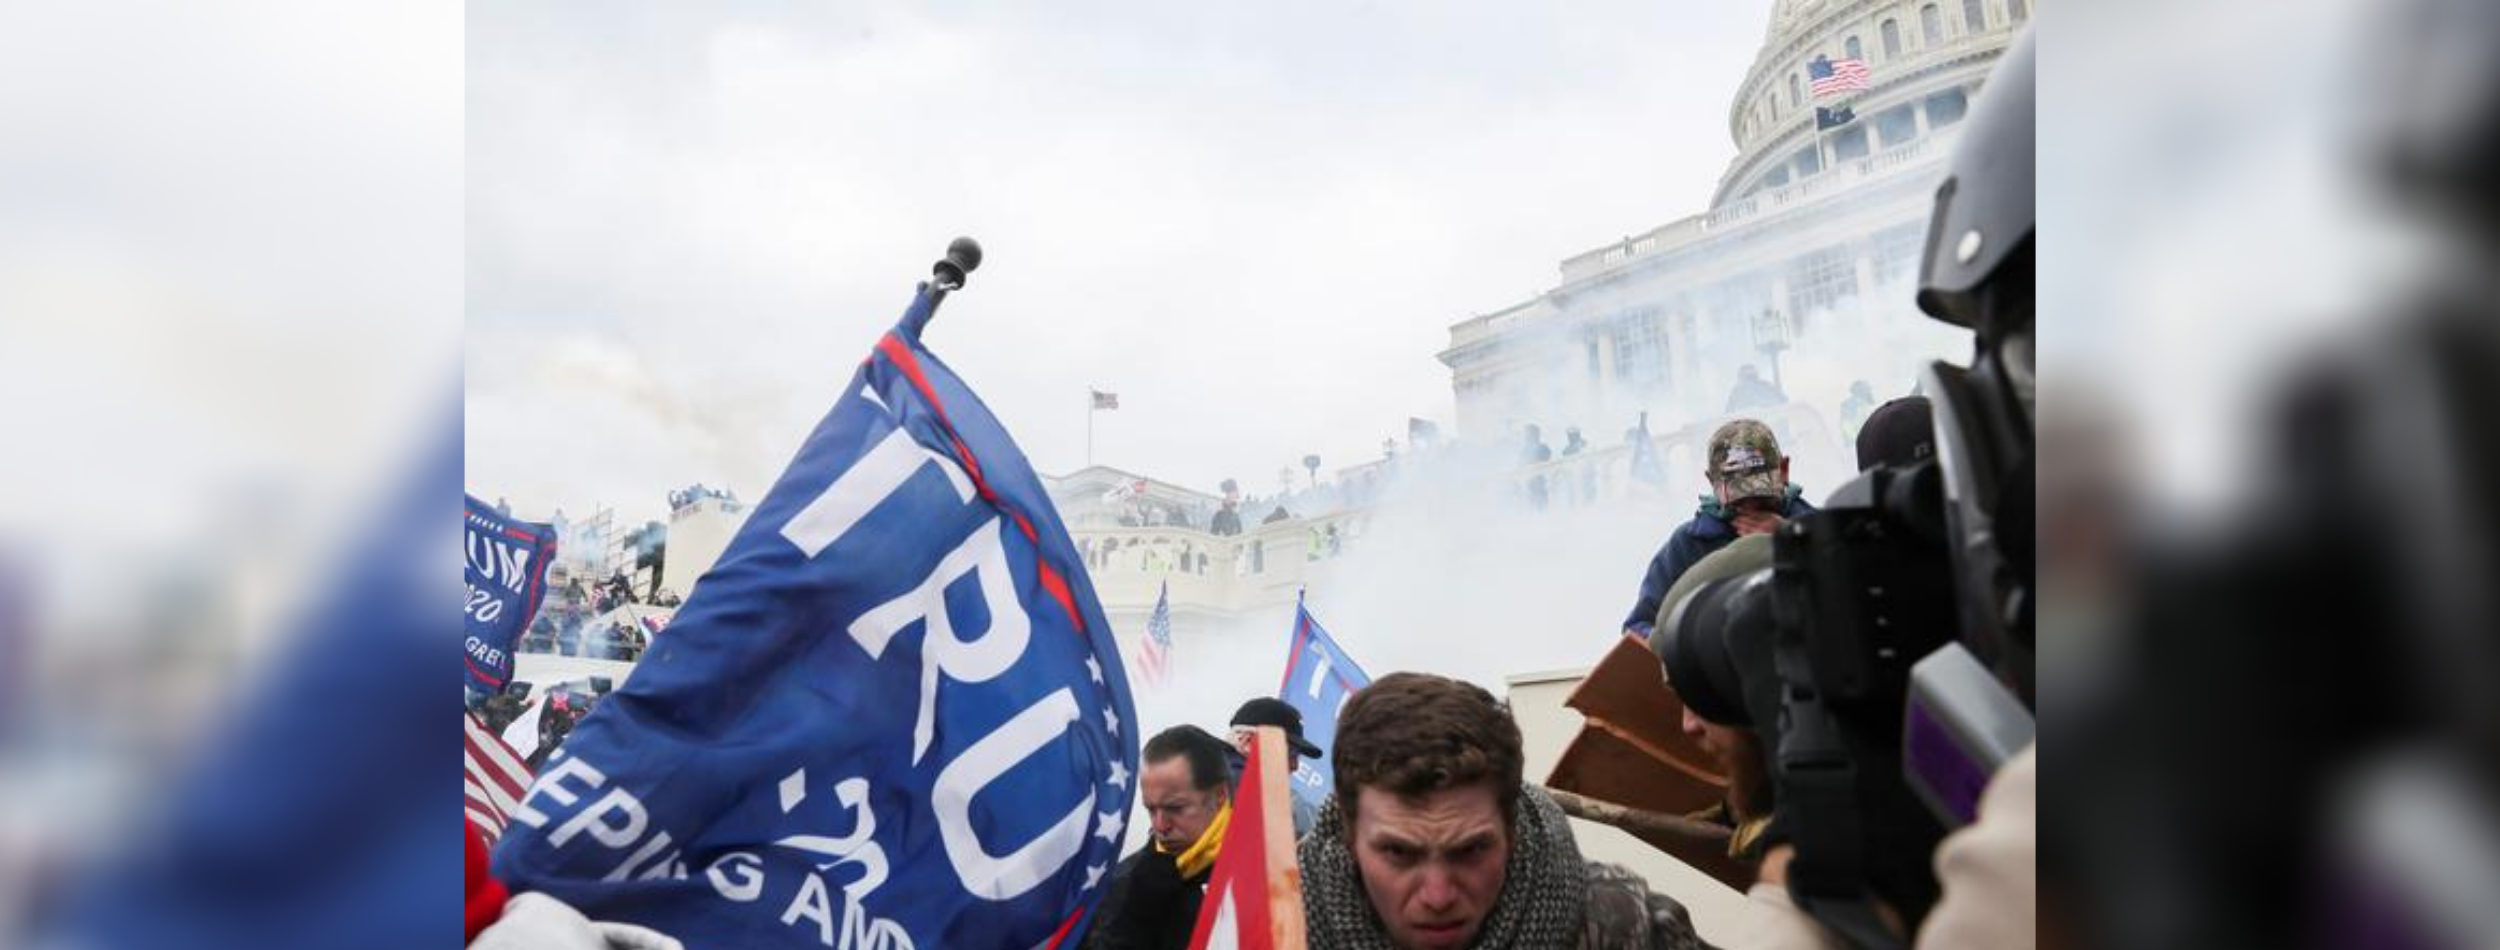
(1254, 898)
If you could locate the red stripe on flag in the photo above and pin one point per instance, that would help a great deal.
(1059, 591)
(1301, 635)
(900, 354)
(1064, 926)
(482, 674)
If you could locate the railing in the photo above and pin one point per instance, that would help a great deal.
(1479, 329)
(1686, 232)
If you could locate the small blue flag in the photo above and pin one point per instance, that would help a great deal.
(892, 715)
(1645, 463)
(1318, 678)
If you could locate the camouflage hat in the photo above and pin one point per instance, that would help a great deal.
(1745, 460)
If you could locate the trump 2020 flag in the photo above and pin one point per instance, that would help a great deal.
(1318, 678)
(507, 575)
(891, 716)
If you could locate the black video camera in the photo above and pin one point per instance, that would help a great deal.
(1815, 654)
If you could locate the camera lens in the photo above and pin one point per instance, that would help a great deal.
(1703, 645)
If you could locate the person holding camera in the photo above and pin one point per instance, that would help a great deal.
(1717, 720)
(1882, 655)
(1750, 494)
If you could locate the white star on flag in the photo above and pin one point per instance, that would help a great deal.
(1093, 876)
(1094, 666)
(1119, 775)
(1112, 721)
(1110, 830)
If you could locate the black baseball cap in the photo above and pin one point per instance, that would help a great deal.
(1900, 432)
(1276, 712)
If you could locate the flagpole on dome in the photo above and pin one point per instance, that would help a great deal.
(963, 256)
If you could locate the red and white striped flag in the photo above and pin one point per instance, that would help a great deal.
(496, 780)
(1254, 896)
(1835, 76)
(1154, 654)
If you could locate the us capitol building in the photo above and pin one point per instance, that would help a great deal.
(1806, 225)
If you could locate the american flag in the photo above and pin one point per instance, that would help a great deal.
(1154, 656)
(1104, 400)
(496, 780)
(1833, 77)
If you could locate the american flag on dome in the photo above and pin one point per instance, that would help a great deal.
(1833, 77)
(1154, 656)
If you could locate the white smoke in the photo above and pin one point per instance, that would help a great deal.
(1452, 570)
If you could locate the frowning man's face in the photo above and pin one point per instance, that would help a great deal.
(1432, 864)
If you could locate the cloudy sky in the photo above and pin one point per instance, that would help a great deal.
(686, 224)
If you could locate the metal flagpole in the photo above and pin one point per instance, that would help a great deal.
(1821, 153)
(1090, 409)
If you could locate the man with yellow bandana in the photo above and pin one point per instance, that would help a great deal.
(1153, 899)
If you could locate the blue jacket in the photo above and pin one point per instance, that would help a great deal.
(1693, 540)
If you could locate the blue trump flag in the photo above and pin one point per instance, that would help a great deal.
(1318, 678)
(506, 566)
(892, 715)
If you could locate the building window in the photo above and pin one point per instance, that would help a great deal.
(1850, 143)
(1974, 16)
(1809, 162)
(1792, 90)
(1819, 279)
(1946, 108)
(1892, 39)
(2019, 10)
(1853, 49)
(1897, 250)
(1641, 348)
(1896, 126)
(1777, 177)
(1931, 25)
(1591, 347)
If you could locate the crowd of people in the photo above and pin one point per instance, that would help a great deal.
(1432, 837)
(569, 622)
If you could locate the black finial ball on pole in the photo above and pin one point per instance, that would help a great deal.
(963, 256)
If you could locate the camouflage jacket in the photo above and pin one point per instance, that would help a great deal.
(1624, 914)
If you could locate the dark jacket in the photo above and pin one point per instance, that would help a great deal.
(1693, 540)
(1148, 906)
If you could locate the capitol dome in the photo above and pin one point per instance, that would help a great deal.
(1924, 61)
